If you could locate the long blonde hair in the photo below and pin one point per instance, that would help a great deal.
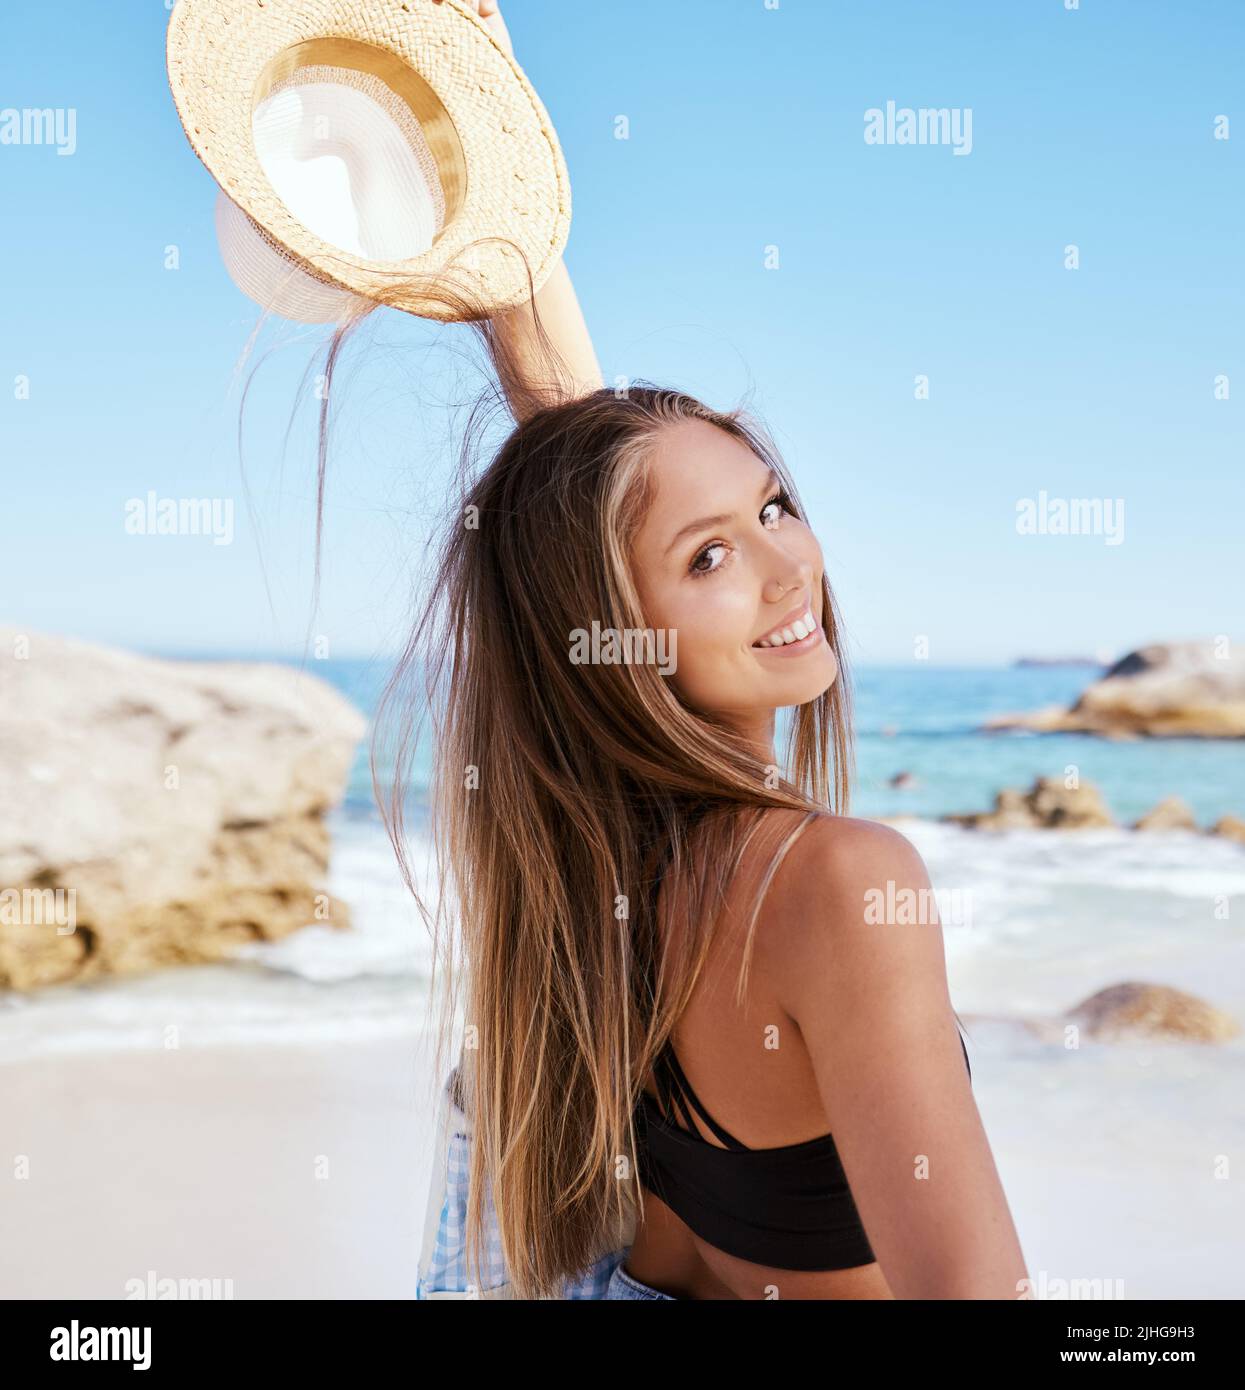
(557, 789)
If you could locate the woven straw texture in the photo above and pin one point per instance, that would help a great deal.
(517, 184)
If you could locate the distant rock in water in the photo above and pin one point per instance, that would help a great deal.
(1170, 814)
(1232, 827)
(903, 781)
(1168, 690)
(1048, 804)
(1151, 1011)
(156, 812)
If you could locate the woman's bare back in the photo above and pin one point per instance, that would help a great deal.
(751, 1070)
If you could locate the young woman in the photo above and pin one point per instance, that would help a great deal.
(682, 1006)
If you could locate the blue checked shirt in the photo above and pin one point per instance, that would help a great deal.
(443, 1257)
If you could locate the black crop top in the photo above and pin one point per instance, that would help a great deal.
(787, 1207)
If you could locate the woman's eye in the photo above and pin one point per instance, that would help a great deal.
(698, 568)
(775, 508)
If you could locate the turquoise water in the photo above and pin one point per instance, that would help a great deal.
(935, 714)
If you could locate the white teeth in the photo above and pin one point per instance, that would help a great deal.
(798, 630)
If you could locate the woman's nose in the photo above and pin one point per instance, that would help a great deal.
(796, 574)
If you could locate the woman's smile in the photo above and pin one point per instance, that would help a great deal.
(814, 637)
(793, 631)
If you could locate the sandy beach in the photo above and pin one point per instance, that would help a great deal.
(302, 1171)
(286, 1144)
(295, 1172)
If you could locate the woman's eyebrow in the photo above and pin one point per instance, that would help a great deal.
(706, 521)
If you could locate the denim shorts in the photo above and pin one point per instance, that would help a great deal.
(622, 1285)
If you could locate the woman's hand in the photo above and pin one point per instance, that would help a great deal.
(491, 15)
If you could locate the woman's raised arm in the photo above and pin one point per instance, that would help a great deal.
(563, 323)
(558, 308)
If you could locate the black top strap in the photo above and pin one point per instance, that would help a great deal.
(674, 1073)
(672, 1102)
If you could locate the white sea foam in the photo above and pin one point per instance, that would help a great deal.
(1055, 916)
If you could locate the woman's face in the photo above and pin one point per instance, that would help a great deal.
(720, 563)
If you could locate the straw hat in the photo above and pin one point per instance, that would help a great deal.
(359, 141)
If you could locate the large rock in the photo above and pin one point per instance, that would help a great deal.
(1048, 804)
(1134, 1010)
(1167, 690)
(173, 809)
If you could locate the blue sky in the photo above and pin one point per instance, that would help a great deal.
(1092, 127)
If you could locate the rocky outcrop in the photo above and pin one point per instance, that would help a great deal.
(1231, 827)
(1167, 690)
(1170, 814)
(1134, 1010)
(159, 812)
(1048, 804)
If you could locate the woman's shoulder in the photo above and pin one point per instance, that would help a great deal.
(805, 873)
(821, 849)
(808, 851)
(832, 881)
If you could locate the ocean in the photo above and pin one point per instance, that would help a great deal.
(926, 721)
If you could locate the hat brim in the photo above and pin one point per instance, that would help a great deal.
(501, 166)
